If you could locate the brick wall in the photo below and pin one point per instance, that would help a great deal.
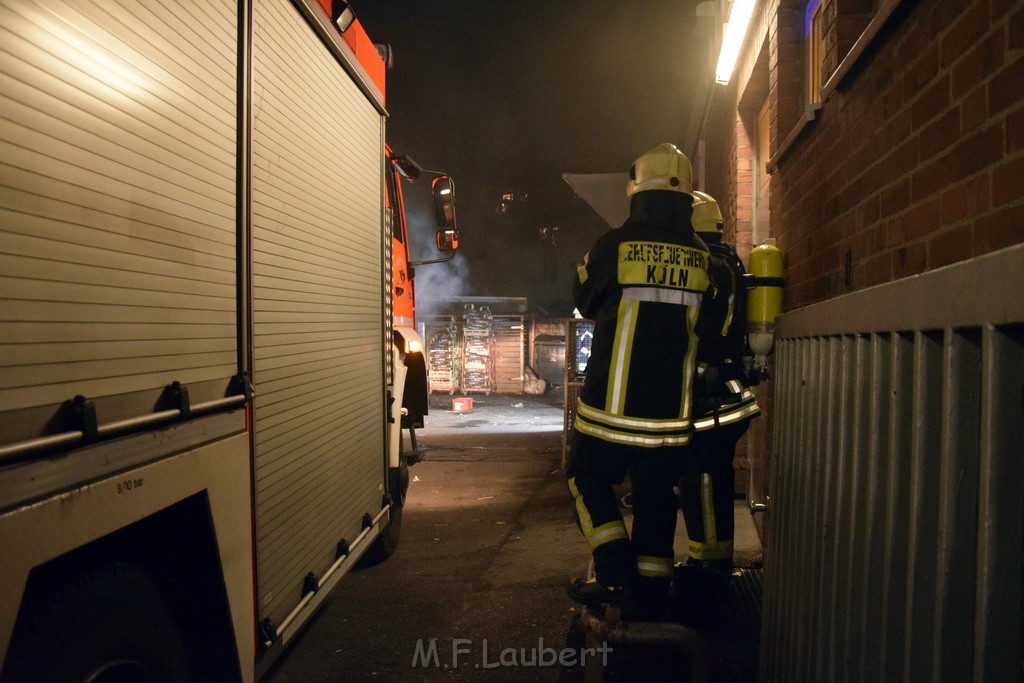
(916, 161)
(786, 67)
(845, 20)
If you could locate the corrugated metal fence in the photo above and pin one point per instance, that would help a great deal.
(896, 514)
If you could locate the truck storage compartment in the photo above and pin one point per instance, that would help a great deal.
(118, 214)
(318, 292)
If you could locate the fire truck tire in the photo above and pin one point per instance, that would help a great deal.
(386, 544)
(110, 625)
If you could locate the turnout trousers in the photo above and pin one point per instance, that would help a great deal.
(642, 561)
(707, 492)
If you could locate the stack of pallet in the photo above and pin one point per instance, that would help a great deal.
(477, 359)
(444, 360)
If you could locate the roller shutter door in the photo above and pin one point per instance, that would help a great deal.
(318, 290)
(117, 198)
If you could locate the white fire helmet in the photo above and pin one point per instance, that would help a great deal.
(661, 168)
(707, 217)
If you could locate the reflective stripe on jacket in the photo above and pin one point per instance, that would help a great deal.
(723, 395)
(642, 284)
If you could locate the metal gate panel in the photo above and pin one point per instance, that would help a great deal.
(894, 532)
(117, 180)
(318, 296)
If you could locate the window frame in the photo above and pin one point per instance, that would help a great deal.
(814, 51)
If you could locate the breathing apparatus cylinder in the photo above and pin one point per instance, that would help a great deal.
(764, 300)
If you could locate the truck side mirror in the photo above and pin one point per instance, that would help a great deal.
(406, 166)
(447, 240)
(443, 189)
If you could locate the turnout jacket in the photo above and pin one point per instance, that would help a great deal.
(722, 392)
(643, 284)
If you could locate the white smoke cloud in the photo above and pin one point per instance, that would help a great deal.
(437, 281)
(433, 281)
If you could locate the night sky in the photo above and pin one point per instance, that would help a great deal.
(506, 96)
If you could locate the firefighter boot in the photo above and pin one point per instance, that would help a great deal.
(591, 593)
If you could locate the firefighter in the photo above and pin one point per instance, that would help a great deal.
(724, 403)
(642, 284)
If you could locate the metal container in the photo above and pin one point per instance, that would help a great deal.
(549, 358)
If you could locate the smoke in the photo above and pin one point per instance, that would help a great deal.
(438, 281)
(472, 95)
(433, 281)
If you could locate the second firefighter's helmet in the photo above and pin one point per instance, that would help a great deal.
(661, 168)
(707, 217)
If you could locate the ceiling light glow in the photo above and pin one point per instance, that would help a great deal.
(735, 32)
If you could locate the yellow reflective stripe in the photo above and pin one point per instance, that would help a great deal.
(722, 550)
(606, 533)
(595, 535)
(734, 412)
(586, 523)
(732, 301)
(707, 508)
(581, 269)
(621, 354)
(648, 565)
(652, 424)
(659, 295)
(625, 439)
(734, 386)
(741, 413)
(689, 363)
(728, 317)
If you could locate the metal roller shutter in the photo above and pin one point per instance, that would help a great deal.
(117, 197)
(317, 309)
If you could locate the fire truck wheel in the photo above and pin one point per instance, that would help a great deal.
(110, 625)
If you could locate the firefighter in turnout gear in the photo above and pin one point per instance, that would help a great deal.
(724, 403)
(642, 284)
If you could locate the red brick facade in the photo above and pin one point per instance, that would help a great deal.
(914, 160)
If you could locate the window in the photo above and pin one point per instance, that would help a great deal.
(814, 36)
(392, 214)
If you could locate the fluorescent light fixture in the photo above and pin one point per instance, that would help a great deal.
(735, 31)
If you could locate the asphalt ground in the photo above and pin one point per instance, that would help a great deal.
(476, 589)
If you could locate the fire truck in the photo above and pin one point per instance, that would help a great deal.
(207, 341)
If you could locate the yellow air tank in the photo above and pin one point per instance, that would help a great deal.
(764, 301)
